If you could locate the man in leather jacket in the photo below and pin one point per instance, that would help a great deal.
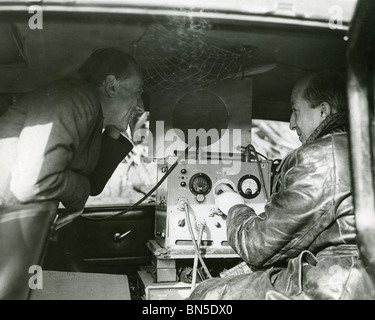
(303, 246)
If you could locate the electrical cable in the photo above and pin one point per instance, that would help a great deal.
(147, 194)
(262, 155)
(195, 264)
(252, 148)
(197, 251)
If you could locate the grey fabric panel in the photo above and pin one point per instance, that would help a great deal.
(59, 285)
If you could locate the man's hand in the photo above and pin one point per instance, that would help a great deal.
(226, 198)
(129, 121)
(223, 187)
(113, 132)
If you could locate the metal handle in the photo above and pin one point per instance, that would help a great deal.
(118, 236)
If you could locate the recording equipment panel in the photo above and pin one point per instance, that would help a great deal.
(206, 130)
(195, 184)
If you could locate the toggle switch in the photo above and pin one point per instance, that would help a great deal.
(181, 223)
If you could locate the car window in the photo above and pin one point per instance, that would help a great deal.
(136, 174)
(273, 139)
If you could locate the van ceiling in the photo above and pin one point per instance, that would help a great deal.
(174, 52)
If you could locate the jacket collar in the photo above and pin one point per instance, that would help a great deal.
(333, 123)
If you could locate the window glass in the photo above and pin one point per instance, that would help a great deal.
(136, 174)
(273, 139)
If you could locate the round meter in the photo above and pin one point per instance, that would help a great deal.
(249, 186)
(200, 183)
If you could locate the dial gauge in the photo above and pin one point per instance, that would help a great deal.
(200, 183)
(249, 186)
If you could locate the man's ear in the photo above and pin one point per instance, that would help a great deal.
(325, 109)
(110, 85)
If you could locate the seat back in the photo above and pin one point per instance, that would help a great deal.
(24, 235)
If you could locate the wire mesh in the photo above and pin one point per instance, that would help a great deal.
(177, 54)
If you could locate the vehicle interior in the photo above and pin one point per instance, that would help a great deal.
(223, 66)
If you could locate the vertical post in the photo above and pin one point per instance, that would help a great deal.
(362, 175)
(360, 56)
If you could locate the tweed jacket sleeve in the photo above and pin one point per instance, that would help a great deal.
(57, 122)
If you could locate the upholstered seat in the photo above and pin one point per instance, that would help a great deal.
(24, 235)
(59, 285)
